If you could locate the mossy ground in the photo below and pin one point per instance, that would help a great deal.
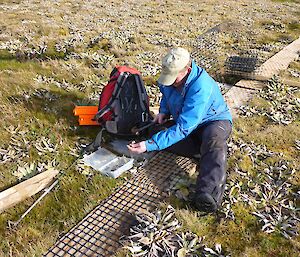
(78, 194)
(243, 236)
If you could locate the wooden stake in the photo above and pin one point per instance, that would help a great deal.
(26, 189)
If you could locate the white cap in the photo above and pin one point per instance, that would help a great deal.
(173, 63)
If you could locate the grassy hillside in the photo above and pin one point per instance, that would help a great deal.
(56, 54)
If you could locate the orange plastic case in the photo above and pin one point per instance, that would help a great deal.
(86, 114)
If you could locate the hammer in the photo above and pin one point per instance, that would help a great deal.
(136, 131)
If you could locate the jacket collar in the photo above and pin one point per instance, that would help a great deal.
(194, 74)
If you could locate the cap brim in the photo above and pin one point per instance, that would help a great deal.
(167, 79)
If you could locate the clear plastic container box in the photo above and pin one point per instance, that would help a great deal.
(108, 163)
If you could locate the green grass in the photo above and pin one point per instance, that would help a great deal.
(286, 1)
(59, 211)
(78, 194)
(243, 236)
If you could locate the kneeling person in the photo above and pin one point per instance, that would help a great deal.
(202, 124)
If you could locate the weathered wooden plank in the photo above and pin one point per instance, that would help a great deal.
(280, 61)
(243, 91)
(23, 190)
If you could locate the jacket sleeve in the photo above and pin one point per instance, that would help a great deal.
(195, 107)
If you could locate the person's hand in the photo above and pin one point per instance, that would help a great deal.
(137, 147)
(160, 118)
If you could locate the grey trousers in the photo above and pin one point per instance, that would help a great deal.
(208, 145)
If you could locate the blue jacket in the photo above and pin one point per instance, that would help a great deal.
(194, 104)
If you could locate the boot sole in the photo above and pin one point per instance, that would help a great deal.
(205, 202)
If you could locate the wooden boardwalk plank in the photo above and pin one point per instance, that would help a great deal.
(243, 91)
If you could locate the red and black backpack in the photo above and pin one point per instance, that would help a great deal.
(123, 105)
(124, 102)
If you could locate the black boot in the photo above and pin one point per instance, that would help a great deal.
(209, 202)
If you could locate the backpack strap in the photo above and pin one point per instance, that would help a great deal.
(119, 85)
(142, 97)
(92, 147)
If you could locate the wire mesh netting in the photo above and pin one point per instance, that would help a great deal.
(241, 64)
(229, 52)
(99, 232)
(230, 56)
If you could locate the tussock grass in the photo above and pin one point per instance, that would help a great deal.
(76, 194)
(155, 27)
(243, 236)
(287, 1)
